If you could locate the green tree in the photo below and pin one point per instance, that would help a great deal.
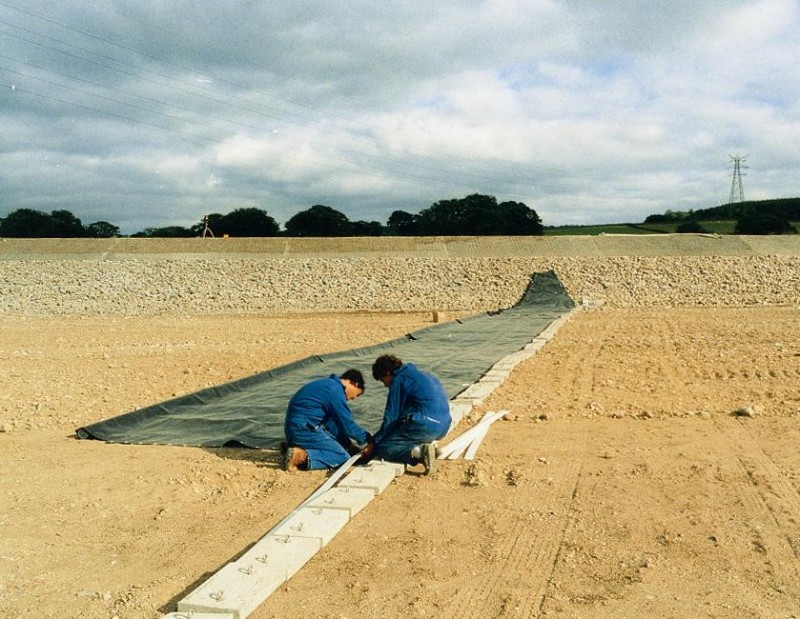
(102, 230)
(519, 220)
(66, 225)
(478, 215)
(246, 222)
(319, 220)
(763, 222)
(401, 223)
(691, 225)
(167, 232)
(366, 228)
(30, 223)
(458, 217)
(26, 223)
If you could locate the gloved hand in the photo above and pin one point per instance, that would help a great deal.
(354, 448)
(366, 451)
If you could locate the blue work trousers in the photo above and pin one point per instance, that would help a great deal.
(397, 444)
(324, 443)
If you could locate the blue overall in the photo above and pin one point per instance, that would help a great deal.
(318, 419)
(417, 411)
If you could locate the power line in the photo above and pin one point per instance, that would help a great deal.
(302, 120)
(424, 172)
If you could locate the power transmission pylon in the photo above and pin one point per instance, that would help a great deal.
(206, 229)
(736, 181)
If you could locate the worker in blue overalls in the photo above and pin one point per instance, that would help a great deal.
(417, 414)
(319, 427)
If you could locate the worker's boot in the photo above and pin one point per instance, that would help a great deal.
(293, 458)
(429, 457)
(298, 459)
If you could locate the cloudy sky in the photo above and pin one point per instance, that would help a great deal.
(149, 113)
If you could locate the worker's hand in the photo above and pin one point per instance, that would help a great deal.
(366, 451)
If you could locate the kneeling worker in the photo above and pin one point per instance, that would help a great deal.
(319, 427)
(417, 413)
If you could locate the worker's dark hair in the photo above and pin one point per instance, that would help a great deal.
(385, 365)
(355, 377)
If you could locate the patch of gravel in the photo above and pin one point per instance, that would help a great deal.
(269, 285)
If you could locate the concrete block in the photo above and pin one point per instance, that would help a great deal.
(234, 589)
(353, 500)
(535, 346)
(507, 364)
(398, 468)
(479, 390)
(513, 359)
(369, 477)
(497, 375)
(490, 381)
(313, 522)
(471, 402)
(458, 410)
(284, 553)
(504, 366)
(551, 330)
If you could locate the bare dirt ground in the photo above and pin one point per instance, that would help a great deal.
(621, 486)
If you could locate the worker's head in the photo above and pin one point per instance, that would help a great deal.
(384, 368)
(353, 382)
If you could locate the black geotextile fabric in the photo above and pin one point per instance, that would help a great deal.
(249, 412)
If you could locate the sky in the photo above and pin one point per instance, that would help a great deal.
(147, 113)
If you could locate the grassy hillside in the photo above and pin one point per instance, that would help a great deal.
(716, 220)
(712, 227)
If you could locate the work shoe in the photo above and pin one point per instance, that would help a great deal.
(296, 458)
(292, 458)
(429, 457)
(285, 456)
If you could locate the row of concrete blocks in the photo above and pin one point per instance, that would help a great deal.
(477, 392)
(242, 585)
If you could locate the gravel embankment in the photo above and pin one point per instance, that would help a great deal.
(267, 285)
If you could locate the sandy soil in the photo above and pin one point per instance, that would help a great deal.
(621, 485)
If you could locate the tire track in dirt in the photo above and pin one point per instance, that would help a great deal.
(540, 550)
(518, 584)
(766, 494)
(537, 577)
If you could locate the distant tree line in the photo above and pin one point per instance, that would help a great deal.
(478, 215)
(29, 223)
(474, 215)
(752, 217)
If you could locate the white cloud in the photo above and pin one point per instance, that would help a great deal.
(588, 112)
